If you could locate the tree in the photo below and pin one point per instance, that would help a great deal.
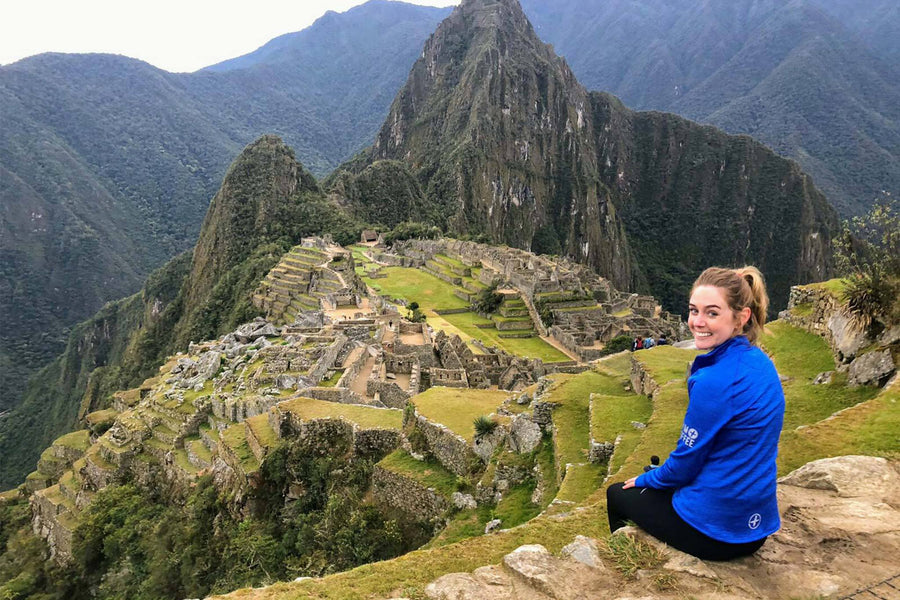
(868, 256)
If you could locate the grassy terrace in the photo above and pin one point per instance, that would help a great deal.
(78, 440)
(571, 421)
(235, 437)
(800, 356)
(435, 294)
(614, 410)
(465, 323)
(259, 425)
(429, 473)
(416, 286)
(364, 416)
(868, 428)
(668, 367)
(458, 408)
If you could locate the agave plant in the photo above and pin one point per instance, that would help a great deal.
(484, 425)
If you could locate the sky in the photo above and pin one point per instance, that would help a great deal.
(175, 35)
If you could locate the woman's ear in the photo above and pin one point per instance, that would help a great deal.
(743, 317)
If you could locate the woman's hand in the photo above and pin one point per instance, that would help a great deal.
(629, 483)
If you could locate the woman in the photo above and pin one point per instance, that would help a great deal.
(714, 497)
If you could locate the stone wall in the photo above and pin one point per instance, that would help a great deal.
(449, 448)
(375, 444)
(394, 492)
(641, 381)
(326, 362)
(389, 393)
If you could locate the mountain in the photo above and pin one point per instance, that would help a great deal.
(266, 203)
(107, 164)
(506, 144)
(814, 79)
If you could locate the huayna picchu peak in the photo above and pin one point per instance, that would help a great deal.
(507, 144)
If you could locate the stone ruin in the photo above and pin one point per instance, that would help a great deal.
(585, 311)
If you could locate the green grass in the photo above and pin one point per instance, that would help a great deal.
(571, 419)
(333, 380)
(78, 440)
(869, 428)
(102, 416)
(580, 482)
(457, 408)
(533, 347)
(835, 287)
(364, 416)
(429, 473)
(666, 363)
(235, 437)
(414, 285)
(800, 356)
(261, 429)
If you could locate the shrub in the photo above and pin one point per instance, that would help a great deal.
(484, 425)
(617, 344)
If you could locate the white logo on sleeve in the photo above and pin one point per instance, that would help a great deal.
(689, 436)
(755, 520)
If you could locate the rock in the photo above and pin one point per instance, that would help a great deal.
(871, 368)
(555, 577)
(600, 452)
(889, 336)
(585, 551)
(492, 525)
(638, 425)
(485, 445)
(285, 382)
(524, 434)
(840, 533)
(463, 501)
(848, 476)
(847, 336)
(823, 378)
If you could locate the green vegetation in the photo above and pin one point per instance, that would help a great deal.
(800, 356)
(430, 473)
(413, 284)
(458, 408)
(364, 416)
(630, 555)
(484, 425)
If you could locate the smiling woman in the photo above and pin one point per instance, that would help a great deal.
(714, 497)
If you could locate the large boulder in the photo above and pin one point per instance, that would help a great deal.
(872, 368)
(840, 535)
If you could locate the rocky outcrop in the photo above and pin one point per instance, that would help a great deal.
(866, 358)
(840, 535)
(505, 142)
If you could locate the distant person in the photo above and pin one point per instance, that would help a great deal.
(638, 344)
(648, 342)
(714, 496)
(662, 341)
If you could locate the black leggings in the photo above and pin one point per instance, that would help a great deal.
(651, 510)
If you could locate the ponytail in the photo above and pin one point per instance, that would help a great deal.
(742, 288)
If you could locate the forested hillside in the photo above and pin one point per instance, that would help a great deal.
(107, 164)
(816, 80)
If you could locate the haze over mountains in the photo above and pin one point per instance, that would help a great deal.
(108, 164)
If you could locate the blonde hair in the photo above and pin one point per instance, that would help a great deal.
(743, 288)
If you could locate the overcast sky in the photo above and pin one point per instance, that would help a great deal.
(175, 35)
